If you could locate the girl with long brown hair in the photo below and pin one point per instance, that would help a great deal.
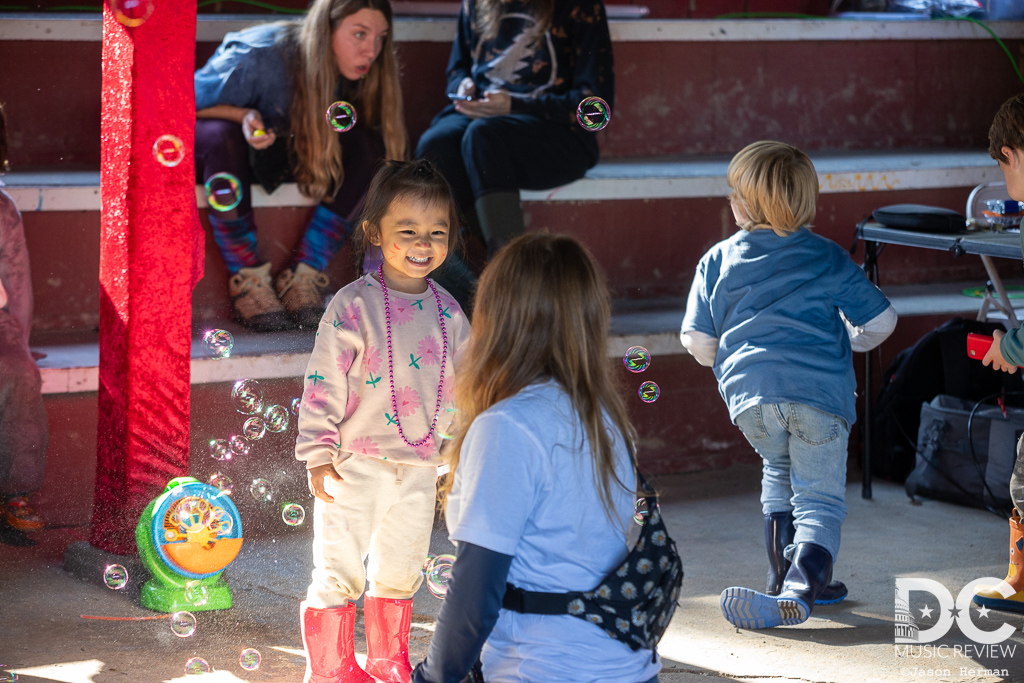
(517, 73)
(262, 101)
(544, 488)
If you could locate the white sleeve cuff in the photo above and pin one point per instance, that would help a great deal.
(872, 333)
(701, 346)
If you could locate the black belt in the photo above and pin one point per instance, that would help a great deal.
(536, 602)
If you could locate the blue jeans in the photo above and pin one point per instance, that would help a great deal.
(804, 453)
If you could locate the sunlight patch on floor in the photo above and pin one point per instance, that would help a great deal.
(65, 672)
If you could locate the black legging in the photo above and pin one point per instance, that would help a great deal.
(221, 148)
(505, 153)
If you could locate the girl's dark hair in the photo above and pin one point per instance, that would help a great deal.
(3, 140)
(419, 180)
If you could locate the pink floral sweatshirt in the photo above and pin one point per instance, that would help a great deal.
(346, 404)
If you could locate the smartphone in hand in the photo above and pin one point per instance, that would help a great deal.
(978, 345)
(453, 96)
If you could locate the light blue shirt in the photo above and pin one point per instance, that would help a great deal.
(525, 487)
(773, 303)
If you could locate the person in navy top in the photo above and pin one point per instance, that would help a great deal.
(777, 312)
(262, 101)
(527, 65)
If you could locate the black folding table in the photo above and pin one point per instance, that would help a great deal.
(986, 244)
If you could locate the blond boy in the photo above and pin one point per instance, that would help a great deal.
(777, 312)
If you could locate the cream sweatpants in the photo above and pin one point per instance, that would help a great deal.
(382, 510)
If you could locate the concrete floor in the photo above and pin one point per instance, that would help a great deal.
(714, 517)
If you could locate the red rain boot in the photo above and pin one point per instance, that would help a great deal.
(330, 650)
(387, 638)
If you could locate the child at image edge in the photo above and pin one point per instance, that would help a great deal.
(1006, 145)
(777, 311)
(378, 388)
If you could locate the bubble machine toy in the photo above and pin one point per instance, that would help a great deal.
(187, 537)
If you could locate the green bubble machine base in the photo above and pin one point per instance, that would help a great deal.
(187, 537)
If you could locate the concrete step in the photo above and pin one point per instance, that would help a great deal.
(613, 179)
(71, 364)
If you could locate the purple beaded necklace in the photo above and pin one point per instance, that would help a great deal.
(391, 362)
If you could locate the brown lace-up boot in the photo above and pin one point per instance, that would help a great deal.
(255, 304)
(301, 290)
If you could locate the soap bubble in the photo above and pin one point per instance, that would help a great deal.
(196, 593)
(115, 576)
(220, 449)
(342, 116)
(222, 483)
(168, 150)
(132, 13)
(249, 659)
(247, 395)
(446, 423)
(183, 624)
(637, 359)
(276, 418)
(223, 192)
(218, 343)
(293, 514)
(296, 402)
(428, 564)
(593, 113)
(649, 392)
(8, 677)
(440, 575)
(261, 490)
(194, 514)
(197, 665)
(221, 523)
(254, 428)
(240, 445)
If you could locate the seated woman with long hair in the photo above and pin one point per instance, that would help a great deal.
(262, 102)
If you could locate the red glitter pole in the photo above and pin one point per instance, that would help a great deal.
(150, 256)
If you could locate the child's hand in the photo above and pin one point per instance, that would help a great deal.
(995, 355)
(256, 134)
(317, 476)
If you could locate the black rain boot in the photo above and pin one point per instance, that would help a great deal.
(778, 535)
(809, 573)
(501, 219)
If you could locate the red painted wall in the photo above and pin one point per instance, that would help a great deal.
(686, 429)
(672, 98)
(647, 248)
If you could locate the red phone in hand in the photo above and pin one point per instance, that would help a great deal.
(978, 345)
